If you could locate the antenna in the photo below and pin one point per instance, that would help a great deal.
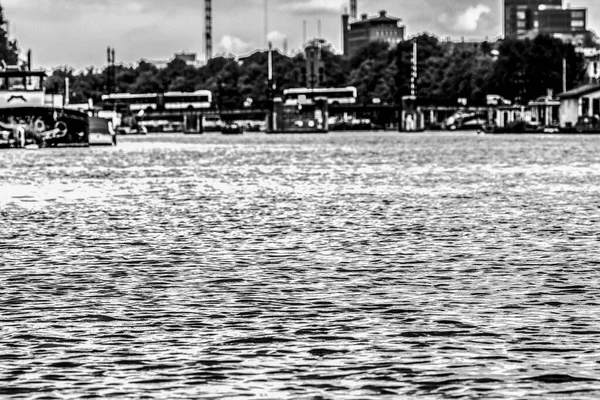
(208, 28)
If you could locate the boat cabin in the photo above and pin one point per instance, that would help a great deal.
(22, 88)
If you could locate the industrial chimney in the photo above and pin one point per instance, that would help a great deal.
(208, 28)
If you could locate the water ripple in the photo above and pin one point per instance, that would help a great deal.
(355, 266)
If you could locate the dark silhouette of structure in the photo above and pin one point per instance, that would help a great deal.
(360, 33)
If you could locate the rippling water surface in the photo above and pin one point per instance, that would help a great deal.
(354, 266)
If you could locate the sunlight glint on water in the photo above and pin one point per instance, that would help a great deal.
(343, 266)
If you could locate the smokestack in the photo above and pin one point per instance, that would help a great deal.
(345, 30)
(304, 26)
(353, 10)
(208, 28)
(29, 66)
(267, 21)
(319, 29)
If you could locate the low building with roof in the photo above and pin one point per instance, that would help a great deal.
(583, 101)
(381, 28)
(545, 110)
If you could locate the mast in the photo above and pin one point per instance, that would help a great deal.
(414, 75)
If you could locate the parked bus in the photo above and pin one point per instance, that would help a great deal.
(345, 95)
(123, 102)
(200, 99)
(128, 102)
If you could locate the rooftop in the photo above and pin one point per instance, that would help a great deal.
(580, 91)
(381, 18)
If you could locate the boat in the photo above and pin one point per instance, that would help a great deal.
(465, 122)
(584, 125)
(31, 118)
(514, 127)
(232, 129)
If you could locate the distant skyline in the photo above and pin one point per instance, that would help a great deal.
(77, 32)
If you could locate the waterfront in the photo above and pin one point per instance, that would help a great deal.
(347, 265)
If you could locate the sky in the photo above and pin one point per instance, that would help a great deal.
(76, 33)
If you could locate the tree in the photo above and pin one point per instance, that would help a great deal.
(526, 69)
(9, 51)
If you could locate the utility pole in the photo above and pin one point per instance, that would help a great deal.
(110, 69)
(564, 75)
(270, 87)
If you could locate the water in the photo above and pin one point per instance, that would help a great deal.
(354, 266)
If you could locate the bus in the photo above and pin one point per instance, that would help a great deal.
(130, 102)
(296, 96)
(200, 99)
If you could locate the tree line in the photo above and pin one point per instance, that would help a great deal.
(518, 70)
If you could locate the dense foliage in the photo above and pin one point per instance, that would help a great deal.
(518, 70)
(9, 52)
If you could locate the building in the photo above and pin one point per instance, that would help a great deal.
(382, 28)
(580, 102)
(525, 17)
(188, 58)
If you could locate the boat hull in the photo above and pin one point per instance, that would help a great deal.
(44, 126)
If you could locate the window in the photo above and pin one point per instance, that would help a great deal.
(16, 83)
(521, 15)
(577, 24)
(578, 15)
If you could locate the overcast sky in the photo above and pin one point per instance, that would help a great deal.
(77, 32)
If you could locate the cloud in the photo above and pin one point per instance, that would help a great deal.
(233, 45)
(311, 6)
(276, 36)
(469, 20)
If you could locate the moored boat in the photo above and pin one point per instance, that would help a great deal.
(28, 116)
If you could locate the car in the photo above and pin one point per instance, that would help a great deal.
(232, 129)
(102, 132)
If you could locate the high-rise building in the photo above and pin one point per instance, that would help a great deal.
(525, 17)
(382, 28)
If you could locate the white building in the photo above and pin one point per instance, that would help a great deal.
(583, 101)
